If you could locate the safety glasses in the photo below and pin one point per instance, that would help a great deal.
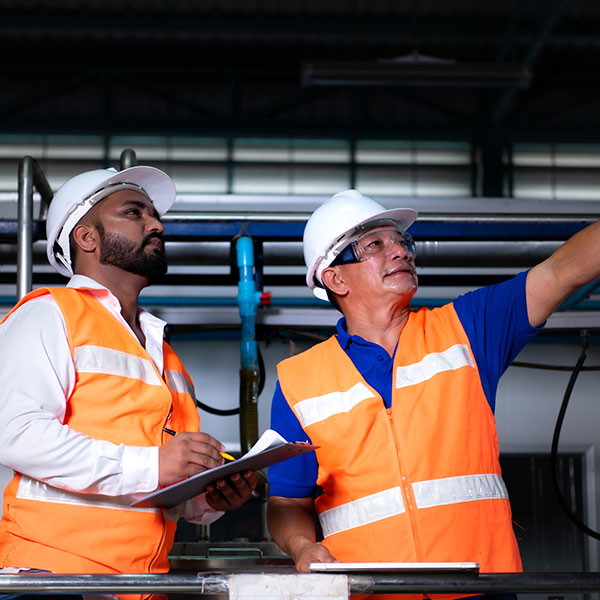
(377, 240)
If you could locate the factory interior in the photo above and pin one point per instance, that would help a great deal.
(482, 116)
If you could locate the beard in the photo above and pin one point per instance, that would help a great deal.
(121, 252)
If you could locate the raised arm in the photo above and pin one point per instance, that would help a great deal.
(575, 264)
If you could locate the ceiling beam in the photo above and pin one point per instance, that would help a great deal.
(544, 34)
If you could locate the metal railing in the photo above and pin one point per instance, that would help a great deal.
(219, 583)
(30, 176)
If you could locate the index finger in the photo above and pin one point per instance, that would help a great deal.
(205, 438)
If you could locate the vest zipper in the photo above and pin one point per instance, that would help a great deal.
(407, 493)
(167, 432)
(161, 541)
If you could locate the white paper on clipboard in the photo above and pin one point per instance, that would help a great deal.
(270, 448)
(398, 567)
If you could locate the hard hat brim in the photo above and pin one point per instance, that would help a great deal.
(404, 216)
(158, 185)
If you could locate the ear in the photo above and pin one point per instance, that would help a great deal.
(333, 278)
(85, 237)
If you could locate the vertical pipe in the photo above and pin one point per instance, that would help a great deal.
(249, 375)
(25, 227)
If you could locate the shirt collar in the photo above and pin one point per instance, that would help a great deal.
(345, 339)
(82, 281)
(342, 334)
(107, 297)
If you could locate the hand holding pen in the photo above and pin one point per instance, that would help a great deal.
(189, 453)
(186, 454)
(223, 454)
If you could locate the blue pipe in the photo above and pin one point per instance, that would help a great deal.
(248, 299)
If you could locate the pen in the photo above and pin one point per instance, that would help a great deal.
(223, 454)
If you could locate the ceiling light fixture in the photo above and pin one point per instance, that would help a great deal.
(415, 73)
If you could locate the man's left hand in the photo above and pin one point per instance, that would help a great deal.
(231, 493)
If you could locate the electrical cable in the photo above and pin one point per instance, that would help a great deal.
(555, 439)
(217, 411)
(228, 412)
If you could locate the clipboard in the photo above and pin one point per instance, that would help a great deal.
(270, 448)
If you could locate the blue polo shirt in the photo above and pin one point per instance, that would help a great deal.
(495, 321)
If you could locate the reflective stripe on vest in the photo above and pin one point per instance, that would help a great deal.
(374, 507)
(179, 383)
(388, 503)
(437, 362)
(319, 408)
(465, 488)
(32, 489)
(313, 410)
(97, 359)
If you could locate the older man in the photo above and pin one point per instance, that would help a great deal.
(400, 402)
(92, 396)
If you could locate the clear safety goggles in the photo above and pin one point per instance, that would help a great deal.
(374, 240)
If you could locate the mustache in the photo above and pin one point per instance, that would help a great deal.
(408, 266)
(151, 236)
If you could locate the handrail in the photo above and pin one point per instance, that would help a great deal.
(219, 583)
(30, 175)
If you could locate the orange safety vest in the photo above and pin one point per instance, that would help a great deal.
(120, 397)
(421, 481)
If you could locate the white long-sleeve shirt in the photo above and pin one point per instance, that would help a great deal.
(38, 375)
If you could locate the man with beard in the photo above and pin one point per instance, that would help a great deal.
(92, 396)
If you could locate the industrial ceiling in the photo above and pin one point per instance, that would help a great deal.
(193, 67)
(490, 73)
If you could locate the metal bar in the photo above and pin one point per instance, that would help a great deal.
(128, 159)
(43, 187)
(430, 253)
(25, 227)
(544, 35)
(218, 583)
(509, 41)
(192, 583)
(442, 229)
(481, 584)
(214, 228)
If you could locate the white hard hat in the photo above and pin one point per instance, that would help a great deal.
(329, 230)
(75, 198)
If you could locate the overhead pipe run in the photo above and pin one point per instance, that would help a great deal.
(430, 253)
(463, 239)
